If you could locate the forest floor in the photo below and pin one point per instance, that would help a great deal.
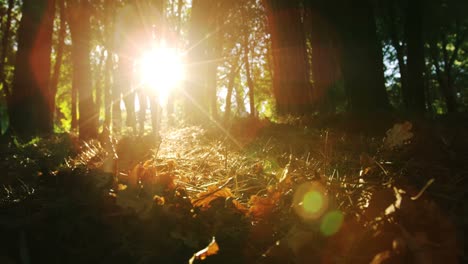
(256, 192)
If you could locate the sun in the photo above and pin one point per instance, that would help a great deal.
(160, 70)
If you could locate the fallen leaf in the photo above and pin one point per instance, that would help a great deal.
(204, 199)
(121, 187)
(159, 200)
(397, 204)
(382, 257)
(240, 206)
(165, 181)
(211, 249)
(263, 206)
(398, 135)
(171, 164)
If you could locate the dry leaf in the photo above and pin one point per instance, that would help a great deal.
(285, 172)
(398, 135)
(397, 204)
(211, 249)
(240, 206)
(165, 181)
(382, 257)
(204, 199)
(135, 175)
(159, 200)
(171, 164)
(263, 206)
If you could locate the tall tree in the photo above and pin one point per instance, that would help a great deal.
(80, 29)
(59, 55)
(6, 34)
(109, 9)
(29, 108)
(325, 52)
(246, 61)
(414, 39)
(291, 84)
(446, 31)
(230, 87)
(398, 42)
(201, 55)
(362, 58)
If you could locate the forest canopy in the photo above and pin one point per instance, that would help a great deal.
(71, 65)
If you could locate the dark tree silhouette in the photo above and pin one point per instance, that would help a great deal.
(29, 109)
(59, 57)
(80, 28)
(362, 59)
(413, 31)
(291, 84)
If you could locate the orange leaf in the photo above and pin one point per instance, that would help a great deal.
(135, 174)
(240, 206)
(121, 187)
(166, 180)
(211, 249)
(212, 194)
(159, 200)
(263, 206)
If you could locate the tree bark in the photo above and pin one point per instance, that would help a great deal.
(325, 53)
(99, 74)
(400, 53)
(248, 74)
(59, 56)
(413, 30)
(362, 58)
(29, 109)
(231, 80)
(211, 76)
(201, 45)
(80, 29)
(3, 52)
(291, 82)
(109, 10)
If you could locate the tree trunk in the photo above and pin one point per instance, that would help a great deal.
(291, 85)
(248, 74)
(80, 29)
(240, 100)
(4, 49)
(211, 77)
(201, 43)
(196, 102)
(449, 60)
(413, 31)
(325, 53)
(99, 73)
(173, 94)
(29, 109)
(74, 103)
(109, 10)
(400, 53)
(59, 56)
(362, 58)
(231, 80)
(442, 77)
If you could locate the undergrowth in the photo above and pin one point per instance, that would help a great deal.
(253, 193)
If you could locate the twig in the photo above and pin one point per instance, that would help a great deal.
(423, 189)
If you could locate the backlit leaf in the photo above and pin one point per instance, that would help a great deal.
(211, 249)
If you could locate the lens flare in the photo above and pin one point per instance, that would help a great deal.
(331, 223)
(310, 201)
